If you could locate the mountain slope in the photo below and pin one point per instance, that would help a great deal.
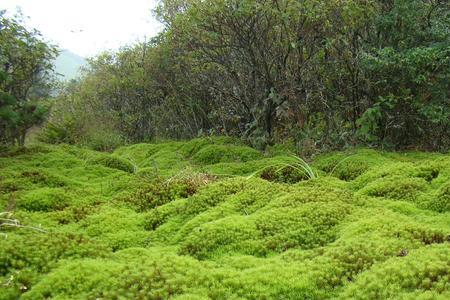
(67, 64)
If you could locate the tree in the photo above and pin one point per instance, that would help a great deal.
(25, 73)
(326, 74)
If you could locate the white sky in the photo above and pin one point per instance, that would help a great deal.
(87, 27)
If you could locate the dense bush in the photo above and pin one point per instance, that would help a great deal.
(335, 75)
(26, 65)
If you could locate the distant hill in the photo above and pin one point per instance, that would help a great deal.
(67, 64)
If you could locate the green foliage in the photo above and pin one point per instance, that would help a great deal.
(320, 77)
(25, 76)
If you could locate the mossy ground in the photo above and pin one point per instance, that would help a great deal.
(177, 220)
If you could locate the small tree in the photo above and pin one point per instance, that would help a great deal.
(25, 74)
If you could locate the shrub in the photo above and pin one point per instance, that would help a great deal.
(103, 141)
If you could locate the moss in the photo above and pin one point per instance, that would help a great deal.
(425, 269)
(45, 199)
(43, 178)
(307, 226)
(213, 154)
(396, 187)
(440, 200)
(9, 186)
(227, 235)
(74, 214)
(252, 167)
(140, 275)
(348, 166)
(191, 147)
(163, 158)
(114, 162)
(287, 148)
(160, 191)
(287, 174)
(26, 256)
(117, 228)
(175, 231)
(18, 151)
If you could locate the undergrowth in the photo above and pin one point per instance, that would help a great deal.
(214, 219)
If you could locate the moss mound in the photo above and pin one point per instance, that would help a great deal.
(113, 162)
(184, 220)
(213, 154)
(45, 199)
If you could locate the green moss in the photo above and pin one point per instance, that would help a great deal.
(25, 257)
(348, 166)
(287, 148)
(114, 162)
(440, 200)
(191, 147)
(226, 235)
(287, 174)
(307, 226)
(117, 228)
(163, 158)
(43, 178)
(423, 270)
(132, 275)
(375, 225)
(396, 187)
(249, 167)
(45, 199)
(213, 154)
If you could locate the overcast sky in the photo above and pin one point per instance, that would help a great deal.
(87, 27)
